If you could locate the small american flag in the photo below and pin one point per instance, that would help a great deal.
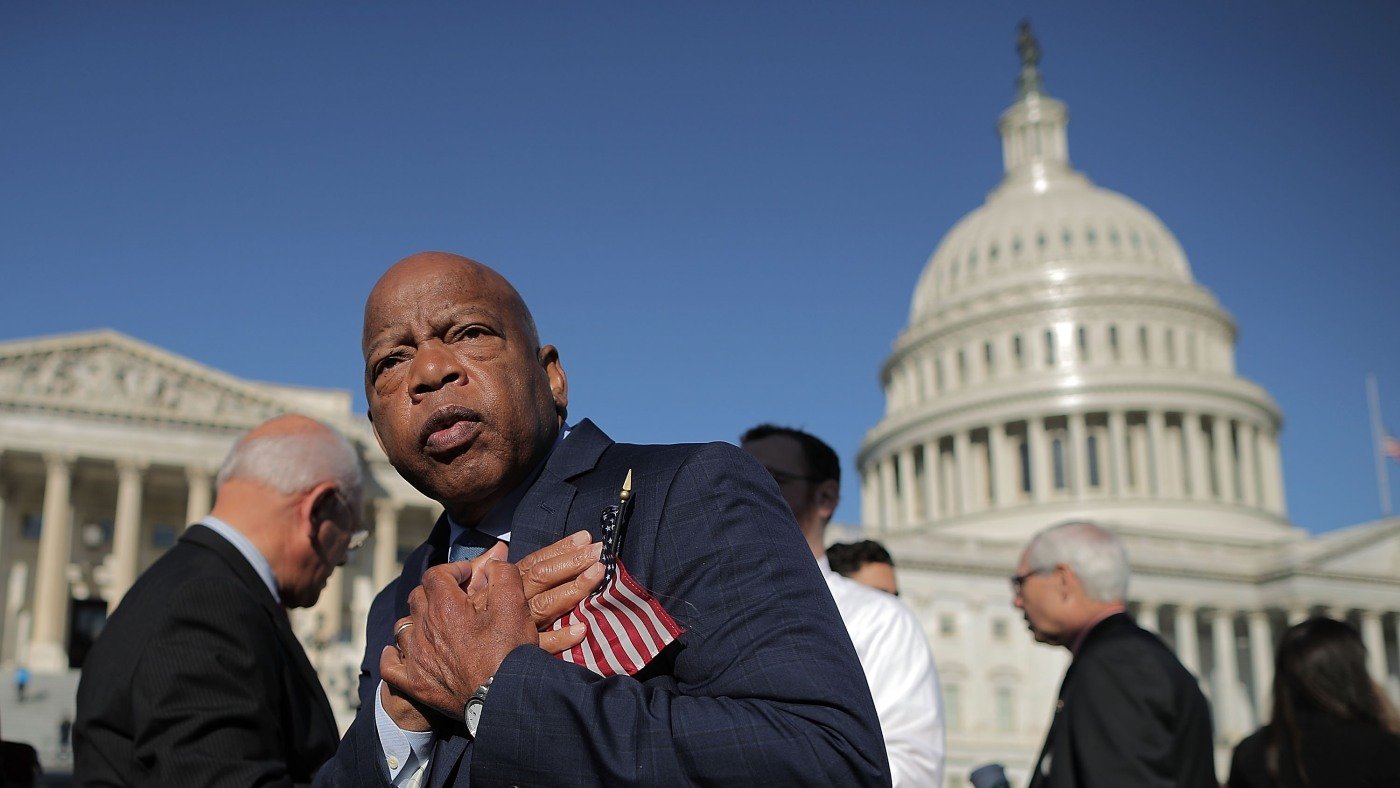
(1390, 447)
(627, 628)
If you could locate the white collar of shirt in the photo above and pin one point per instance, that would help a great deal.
(497, 522)
(255, 558)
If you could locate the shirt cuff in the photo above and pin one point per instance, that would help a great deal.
(401, 748)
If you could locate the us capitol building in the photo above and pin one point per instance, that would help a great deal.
(1059, 362)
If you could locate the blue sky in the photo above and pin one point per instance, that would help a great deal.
(718, 211)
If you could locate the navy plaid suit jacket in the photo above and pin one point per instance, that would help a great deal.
(763, 687)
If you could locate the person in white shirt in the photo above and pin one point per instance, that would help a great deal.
(889, 641)
(867, 562)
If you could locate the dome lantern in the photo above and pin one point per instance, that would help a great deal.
(1034, 141)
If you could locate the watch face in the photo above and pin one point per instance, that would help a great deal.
(473, 715)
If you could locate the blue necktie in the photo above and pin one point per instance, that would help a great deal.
(469, 545)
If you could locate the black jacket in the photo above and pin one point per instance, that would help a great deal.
(1128, 715)
(197, 679)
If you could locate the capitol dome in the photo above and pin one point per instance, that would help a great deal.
(1070, 228)
(1060, 360)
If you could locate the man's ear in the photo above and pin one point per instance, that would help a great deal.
(558, 381)
(828, 497)
(316, 505)
(1069, 585)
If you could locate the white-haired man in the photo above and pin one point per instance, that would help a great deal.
(1128, 712)
(197, 678)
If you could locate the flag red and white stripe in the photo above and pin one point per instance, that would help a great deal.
(627, 628)
(1390, 447)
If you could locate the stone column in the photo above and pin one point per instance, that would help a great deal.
(869, 504)
(908, 487)
(1118, 453)
(1261, 656)
(1140, 482)
(1249, 468)
(1198, 464)
(1187, 648)
(1157, 450)
(1272, 471)
(126, 538)
(47, 651)
(1372, 637)
(1148, 616)
(962, 455)
(889, 506)
(1078, 456)
(1040, 459)
(1224, 458)
(932, 499)
(386, 541)
(198, 503)
(1227, 673)
(1001, 475)
(330, 606)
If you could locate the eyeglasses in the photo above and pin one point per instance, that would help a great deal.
(1017, 581)
(783, 477)
(358, 534)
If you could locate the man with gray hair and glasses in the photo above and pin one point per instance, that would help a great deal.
(1128, 712)
(197, 678)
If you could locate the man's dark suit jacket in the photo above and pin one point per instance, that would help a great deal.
(1128, 715)
(197, 679)
(763, 688)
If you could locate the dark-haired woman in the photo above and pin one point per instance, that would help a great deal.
(1329, 722)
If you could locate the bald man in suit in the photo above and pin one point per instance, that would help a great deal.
(198, 679)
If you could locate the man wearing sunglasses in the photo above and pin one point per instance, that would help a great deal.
(197, 678)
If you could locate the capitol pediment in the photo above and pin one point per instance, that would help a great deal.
(108, 374)
(1369, 549)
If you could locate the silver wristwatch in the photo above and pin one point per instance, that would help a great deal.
(472, 714)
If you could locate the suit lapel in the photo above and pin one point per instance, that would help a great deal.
(540, 520)
(204, 537)
(542, 516)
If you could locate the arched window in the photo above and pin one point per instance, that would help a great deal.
(952, 705)
(1006, 709)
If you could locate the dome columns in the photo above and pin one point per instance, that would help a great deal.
(1078, 455)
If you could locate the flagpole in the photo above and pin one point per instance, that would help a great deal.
(1378, 439)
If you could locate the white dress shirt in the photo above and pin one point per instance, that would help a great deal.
(902, 677)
